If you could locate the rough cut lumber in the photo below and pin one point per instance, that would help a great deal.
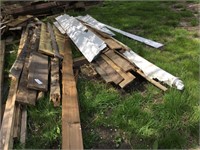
(19, 20)
(71, 129)
(19, 62)
(102, 73)
(112, 44)
(38, 72)
(120, 61)
(128, 77)
(2, 56)
(45, 41)
(53, 41)
(17, 123)
(55, 82)
(23, 126)
(77, 62)
(25, 95)
(110, 72)
(6, 137)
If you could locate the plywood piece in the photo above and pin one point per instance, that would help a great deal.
(38, 72)
(23, 126)
(2, 57)
(113, 44)
(128, 77)
(119, 61)
(55, 95)
(111, 73)
(71, 133)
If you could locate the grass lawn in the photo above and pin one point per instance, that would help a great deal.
(141, 116)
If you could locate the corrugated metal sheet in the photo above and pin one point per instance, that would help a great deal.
(152, 71)
(95, 24)
(88, 43)
(98, 25)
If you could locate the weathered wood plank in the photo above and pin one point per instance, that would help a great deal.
(6, 137)
(113, 44)
(45, 41)
(23, 126)
(2, 57)
(55, 82)
(17, 122)
(25, 95)
(71, 130)
(16, 68)
(38, 72)
(128, 77)
(19, 20)
(112, 74)
(119, 61)
(102, 73)
(53, 41)
(77, 62)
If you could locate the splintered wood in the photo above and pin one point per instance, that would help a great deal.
(71, 128)
(38, 72)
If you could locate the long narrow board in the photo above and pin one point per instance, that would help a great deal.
(55, 95)
(71, 129)
(17, 123)
(45, 41)
(38, 72)
(112, 44)
(113, 75)
(2, 56)
(119, 61)
(17, 67)
(128, 77)
(19, 20)
(23, 126)
(25, 95)
(6, 137)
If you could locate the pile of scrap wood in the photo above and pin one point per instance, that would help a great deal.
(45, 55)
(13, 14)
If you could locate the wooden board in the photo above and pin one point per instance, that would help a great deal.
(19, 20)
(38, 72)
(113, 44)
(6, 132)
(102, 73)
(6, 137)
(77, 62)
(71, 129)
(110, 72)
(119, 61)
(2, 56)
(23, 126)
(45, 42)
(25, 95)
(16, 68)
(17, 123)
(128, 77)
(55, 95)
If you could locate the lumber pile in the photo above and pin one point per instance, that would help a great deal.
(45, 64)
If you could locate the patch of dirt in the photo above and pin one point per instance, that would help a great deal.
(112, 139)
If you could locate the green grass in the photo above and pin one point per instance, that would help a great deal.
(140, 118)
